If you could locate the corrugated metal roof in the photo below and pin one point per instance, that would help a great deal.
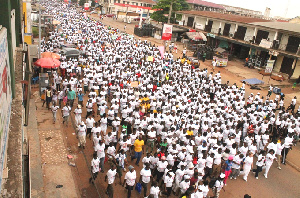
(291, 27)
(228, 17)
(205, 3)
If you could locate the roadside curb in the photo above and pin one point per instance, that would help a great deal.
(293, 165)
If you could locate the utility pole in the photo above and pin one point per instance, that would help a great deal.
(170, 11)
(40, 29)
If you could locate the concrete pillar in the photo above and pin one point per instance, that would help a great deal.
(255, 32)
(276, 35)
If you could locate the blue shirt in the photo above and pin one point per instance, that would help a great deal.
(229, 165)
(80, 97)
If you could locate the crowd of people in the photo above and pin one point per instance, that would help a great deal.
(189, 132)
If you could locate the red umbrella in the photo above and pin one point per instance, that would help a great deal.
(47, 63)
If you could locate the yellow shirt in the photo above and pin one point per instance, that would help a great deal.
(190, 133)
(138, 145)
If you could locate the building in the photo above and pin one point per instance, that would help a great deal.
(267, 13)
(119, 7)
(242, 11)
(205, 6)
(295, 20)
(250, 37)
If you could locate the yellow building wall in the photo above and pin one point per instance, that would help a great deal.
(25, 16)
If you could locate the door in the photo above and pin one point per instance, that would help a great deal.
(240, 33)
(293, 44)
(226, 29)
(261, 35)
(286, 65)
(190, 21)
(208, 26)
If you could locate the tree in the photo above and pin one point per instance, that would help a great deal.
(81, 2)
(74, 1)
(165, 10)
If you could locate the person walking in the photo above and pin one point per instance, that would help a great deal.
(269, 161)
(66, 113)
(81, 135)
(145, 178)
(110, 178)
(94, 168)
(100, 148)
(48, 97)
(138, 149)
(129, 179)
(248, 164)
(228, 166)
(78, 113)
(278, 153)
(54, 109)
(71, 97)
(259, 163)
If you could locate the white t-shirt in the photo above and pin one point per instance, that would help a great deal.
(95, 165)
(146, 175)
(111, 175)
(130, 178)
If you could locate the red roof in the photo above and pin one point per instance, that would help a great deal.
(227, 17)
(205, 3)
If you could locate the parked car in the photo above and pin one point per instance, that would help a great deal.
(70, 52)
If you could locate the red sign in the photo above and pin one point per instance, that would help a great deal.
(167, 32)
(192, 30)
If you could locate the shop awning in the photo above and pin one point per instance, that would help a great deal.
(196, 36)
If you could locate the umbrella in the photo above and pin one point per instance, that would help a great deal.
(47, 63)
(50, 55)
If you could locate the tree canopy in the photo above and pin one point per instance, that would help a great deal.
(163, 7)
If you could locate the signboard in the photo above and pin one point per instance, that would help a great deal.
(5, 98)
(167, 32)
(269, 66)
(134, 84)
(150, 58)
(265, 43)
(161, 50)
(86, 6)
(221, 62)
(199, 26)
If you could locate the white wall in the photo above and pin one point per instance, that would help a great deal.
(232, 28)
(200, 20)
(271, 35)
(215, 27)
(296, 73)
(249, 33)
(278, 63)
(283, 42)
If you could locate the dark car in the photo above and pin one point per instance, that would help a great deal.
(70, 52)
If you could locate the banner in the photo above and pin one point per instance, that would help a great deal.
(161, 50)
(167, 32)
(86, 6)
(5, 98)
(269, 66)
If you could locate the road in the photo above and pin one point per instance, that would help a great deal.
(281, 183)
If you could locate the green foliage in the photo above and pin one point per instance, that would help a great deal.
(74, 1)
(164, 7)
(93, 3)
(35, 32)
(81, 2)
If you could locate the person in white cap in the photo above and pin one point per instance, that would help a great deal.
(219, 185)
(184, 185)
(78, 113)
(81, 135)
